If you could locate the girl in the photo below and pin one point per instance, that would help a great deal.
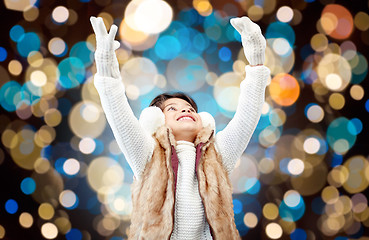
(181, 187)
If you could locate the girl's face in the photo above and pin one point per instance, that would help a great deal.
(182, 118)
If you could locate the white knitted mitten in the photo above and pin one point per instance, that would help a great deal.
(106, 61)
(253, 41)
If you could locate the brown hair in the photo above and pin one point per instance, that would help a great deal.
(160, 99)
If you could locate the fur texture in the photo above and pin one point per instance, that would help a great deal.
(153, 194)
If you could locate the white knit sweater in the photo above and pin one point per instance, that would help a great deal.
(137, 145)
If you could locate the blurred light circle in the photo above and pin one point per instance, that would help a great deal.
(334, 72)
(298, 234)
(225, 54)
(281, 30)
(38, 78)
(46, 211)
(281, 46)
(314, 112)
(71, 166)
(68, 199)
(83, 51)
(90, 112)
(74, 234)
(72, 72)
(292, 198)
(31, 14)
(3, 54)
(60, 14)
(250, 220)
(361, 21)
(53, 117)
(187, 73)
(358, 180)
(2, 232)
(319, 42)
(64, 225)
(25, 220)
(245, 174)
(284, 89)
(359, 202)
(292, 208)
(49, 231)
(285, 14)
(274, 61)
(28, 43)
(227, 90)
(16, 33)
(57, 46)
(11, 206)
(167, 47)
(266, 165)
(28, 186)
(15, 67)
(120, 201)
(296, 166)
(140, 72)
(336, 21)
(357, 92)
(270, 211)
(273, 231)
(339, 138)
(105, 174)
(203, 7)
(330, 194)
(135, 39)
(83, 128)
(358, 126)
(336, 101)
(153, 16)
(255, 13)
(311, 145)
(87, 145)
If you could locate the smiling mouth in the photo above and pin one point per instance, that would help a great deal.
(185, 118)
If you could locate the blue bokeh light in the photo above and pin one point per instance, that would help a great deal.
(84, 51)
(356, 127)
(28, 186)
(72, 72)
(74, 234)
(292, 214)
(281, 30)
(237, 206)
(225, 54)
(298, 234)
(167, 47)
(10, 95)
(28, 43)
(11, 206)
(16, 33)
(3, 54)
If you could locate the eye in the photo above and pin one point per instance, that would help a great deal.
(171, 109)
(192, 110)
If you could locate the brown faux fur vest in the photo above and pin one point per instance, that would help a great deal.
(153, 194)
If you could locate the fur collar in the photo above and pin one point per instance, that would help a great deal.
(152, 118)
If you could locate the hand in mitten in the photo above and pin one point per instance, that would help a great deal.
(106, 61)
(253, 41)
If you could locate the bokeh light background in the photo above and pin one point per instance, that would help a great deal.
(305, 173)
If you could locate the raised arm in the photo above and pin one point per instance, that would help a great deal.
(136, 144)
(232, 141)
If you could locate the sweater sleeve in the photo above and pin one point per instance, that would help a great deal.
(232, 141)
(135, 143)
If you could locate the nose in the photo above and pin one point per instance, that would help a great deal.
(186, 109)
